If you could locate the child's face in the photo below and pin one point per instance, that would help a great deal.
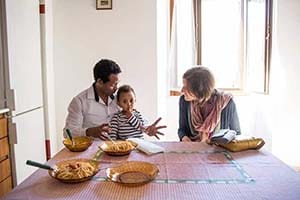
(126, 101)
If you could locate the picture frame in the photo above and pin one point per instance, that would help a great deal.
(104, 4)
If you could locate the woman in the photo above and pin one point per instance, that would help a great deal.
(203, 109)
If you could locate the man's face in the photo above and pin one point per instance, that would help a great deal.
(110, 87)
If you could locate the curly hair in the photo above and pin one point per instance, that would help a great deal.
(124, 89)
(200, 82)
(104, 68)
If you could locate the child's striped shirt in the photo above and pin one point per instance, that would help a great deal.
(123, 128)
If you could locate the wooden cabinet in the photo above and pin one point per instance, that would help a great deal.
(5, 165)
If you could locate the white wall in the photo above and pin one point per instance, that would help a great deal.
(274, 117)
(127, 34)
(285, 81)
(83, 35)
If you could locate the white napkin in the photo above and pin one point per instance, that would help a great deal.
(146, 146)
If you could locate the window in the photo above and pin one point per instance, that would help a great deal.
(231, 37)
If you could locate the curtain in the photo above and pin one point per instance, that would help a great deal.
(183, 46)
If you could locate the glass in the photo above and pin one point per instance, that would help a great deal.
(221, 50)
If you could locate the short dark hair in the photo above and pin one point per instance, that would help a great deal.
(104, 68)
(200, 81)
(124, 89)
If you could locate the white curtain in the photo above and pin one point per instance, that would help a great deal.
(183, 43)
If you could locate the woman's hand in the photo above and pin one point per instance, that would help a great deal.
(98, 131)
(186, 139)
(152, 130)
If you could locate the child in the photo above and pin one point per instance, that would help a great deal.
(128, 123)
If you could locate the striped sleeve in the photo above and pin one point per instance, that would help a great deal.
(136, 120)
(114, 126)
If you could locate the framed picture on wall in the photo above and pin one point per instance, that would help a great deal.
(103, 4)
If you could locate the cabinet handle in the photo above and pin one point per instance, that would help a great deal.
(3, 158)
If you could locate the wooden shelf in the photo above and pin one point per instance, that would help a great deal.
(5, 164)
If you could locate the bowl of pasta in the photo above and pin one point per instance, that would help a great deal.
(80, 143)
(75, 170)
(117, 148)
(132, 173)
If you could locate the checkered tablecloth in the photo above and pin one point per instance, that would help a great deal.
(186, 171)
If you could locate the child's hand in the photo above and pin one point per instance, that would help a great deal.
(152, 130)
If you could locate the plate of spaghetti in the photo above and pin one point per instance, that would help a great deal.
(117, 148)
(74, 171)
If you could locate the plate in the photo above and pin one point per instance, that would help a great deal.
(132, 173)
(80, 143)
(75, 170)
(118, 148)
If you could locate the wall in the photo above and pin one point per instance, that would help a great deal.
(285, 80)
(274, 117)
(82, 35)
(128, 35)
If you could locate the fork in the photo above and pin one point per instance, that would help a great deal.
(107, 135)
(70, 136)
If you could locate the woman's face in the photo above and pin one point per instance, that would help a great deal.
(188, 95)
(126, 101)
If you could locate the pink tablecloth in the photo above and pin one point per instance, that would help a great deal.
(187, 171)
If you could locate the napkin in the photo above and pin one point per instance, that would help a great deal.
(223, 136)
(146, 146)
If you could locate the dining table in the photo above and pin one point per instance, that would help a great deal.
(187, 170)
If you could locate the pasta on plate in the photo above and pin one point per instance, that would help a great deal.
(117, 148)
(75, 171)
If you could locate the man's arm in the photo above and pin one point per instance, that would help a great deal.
(75, 118)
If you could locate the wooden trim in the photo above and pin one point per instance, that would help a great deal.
(175, 93)
(198, 27)
(235, 92)
(268, 45)
(171, 15)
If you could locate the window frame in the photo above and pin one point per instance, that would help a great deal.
(267, 46)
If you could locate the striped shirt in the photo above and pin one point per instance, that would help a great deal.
(123, 128)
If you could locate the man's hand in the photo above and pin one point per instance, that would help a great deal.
(152, 130)
(98, 131)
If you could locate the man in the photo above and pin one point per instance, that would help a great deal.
(90, 111)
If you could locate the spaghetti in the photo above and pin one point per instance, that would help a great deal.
(75, 170)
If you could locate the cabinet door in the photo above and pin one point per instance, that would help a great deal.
(4, 149)
(5, 170)
(3, 127)
(5, 186)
